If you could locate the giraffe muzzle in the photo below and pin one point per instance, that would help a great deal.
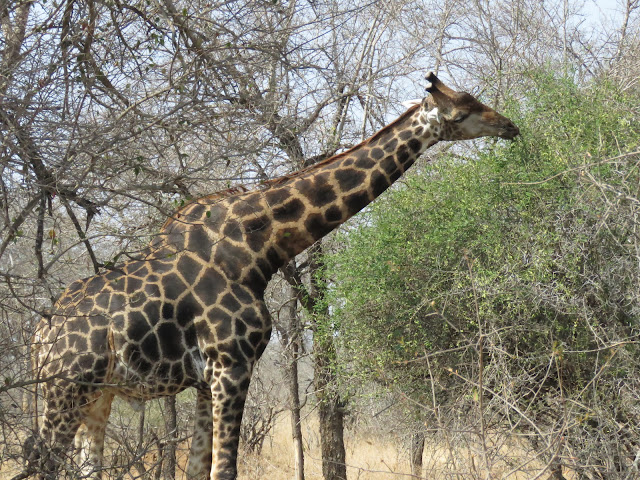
(510, 132)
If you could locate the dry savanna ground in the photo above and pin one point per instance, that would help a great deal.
(369, 457)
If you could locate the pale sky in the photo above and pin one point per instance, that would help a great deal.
(609, 8)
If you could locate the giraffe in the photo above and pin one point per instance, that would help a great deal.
(190, 313)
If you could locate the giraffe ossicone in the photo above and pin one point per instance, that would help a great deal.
(191, 312)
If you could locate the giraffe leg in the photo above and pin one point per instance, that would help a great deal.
(199, 467)
(229, 392)
(90, 436)
(61, 419)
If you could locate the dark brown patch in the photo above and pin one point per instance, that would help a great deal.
(137, 300)
(152, 311)
(95, 284)
(167, 310)
(415, 145)
(391, 145)
(203, 331)
(102, 300)
(321, 195)
(255, 280)
(333, 214)
(137, 328)
(242, 294)
(317, 225)
(257, 232)
(188, 309)
(288, 212)
(232, 230)
(348, 179)
(210, 285)
(189, 268)
(247, 204)
(389, 164)
(152, 290)
(356, 202)
(216, 213)
(195, 212)
(251, 318)
(231, 259)
(376, 153)
(172, 286)
(199, 242)
(229, 302)
(223, 329)
(170, 339)
(77, 342)
(379, 183)
(256, 224)
(402, 154)
(240, 328)
(274, 258)
(277, 196)
(150, 349)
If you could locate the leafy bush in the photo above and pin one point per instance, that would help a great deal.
(517, 271)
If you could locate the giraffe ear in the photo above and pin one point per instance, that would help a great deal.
(411, 103)
(433, 116)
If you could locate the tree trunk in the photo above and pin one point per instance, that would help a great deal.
(330, 412)
(293, 354)
(417, 448)
(171, 428)
(139, 454)
(295, 419)
(330, 405)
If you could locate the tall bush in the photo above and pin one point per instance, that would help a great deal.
(510, 281)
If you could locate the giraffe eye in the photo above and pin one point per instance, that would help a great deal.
(460, 118)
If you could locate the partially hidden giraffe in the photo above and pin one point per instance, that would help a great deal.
(192, 314)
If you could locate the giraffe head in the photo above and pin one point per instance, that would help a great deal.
(461, 116)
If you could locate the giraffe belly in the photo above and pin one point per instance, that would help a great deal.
(136, 382)
(152, 368)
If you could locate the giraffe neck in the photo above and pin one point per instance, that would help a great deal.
(319, 199)
(249, 235)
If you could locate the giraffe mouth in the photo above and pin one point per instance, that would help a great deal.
(510, 132)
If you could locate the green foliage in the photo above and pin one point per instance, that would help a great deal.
(532, 247)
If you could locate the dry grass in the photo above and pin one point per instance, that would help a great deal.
(378, 457)
(369, 457)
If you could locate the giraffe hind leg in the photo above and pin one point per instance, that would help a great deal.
(69, 415)
(61, 419)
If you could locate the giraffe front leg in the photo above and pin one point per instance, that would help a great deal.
(228, 394)
(199, 467)
(90, 437)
